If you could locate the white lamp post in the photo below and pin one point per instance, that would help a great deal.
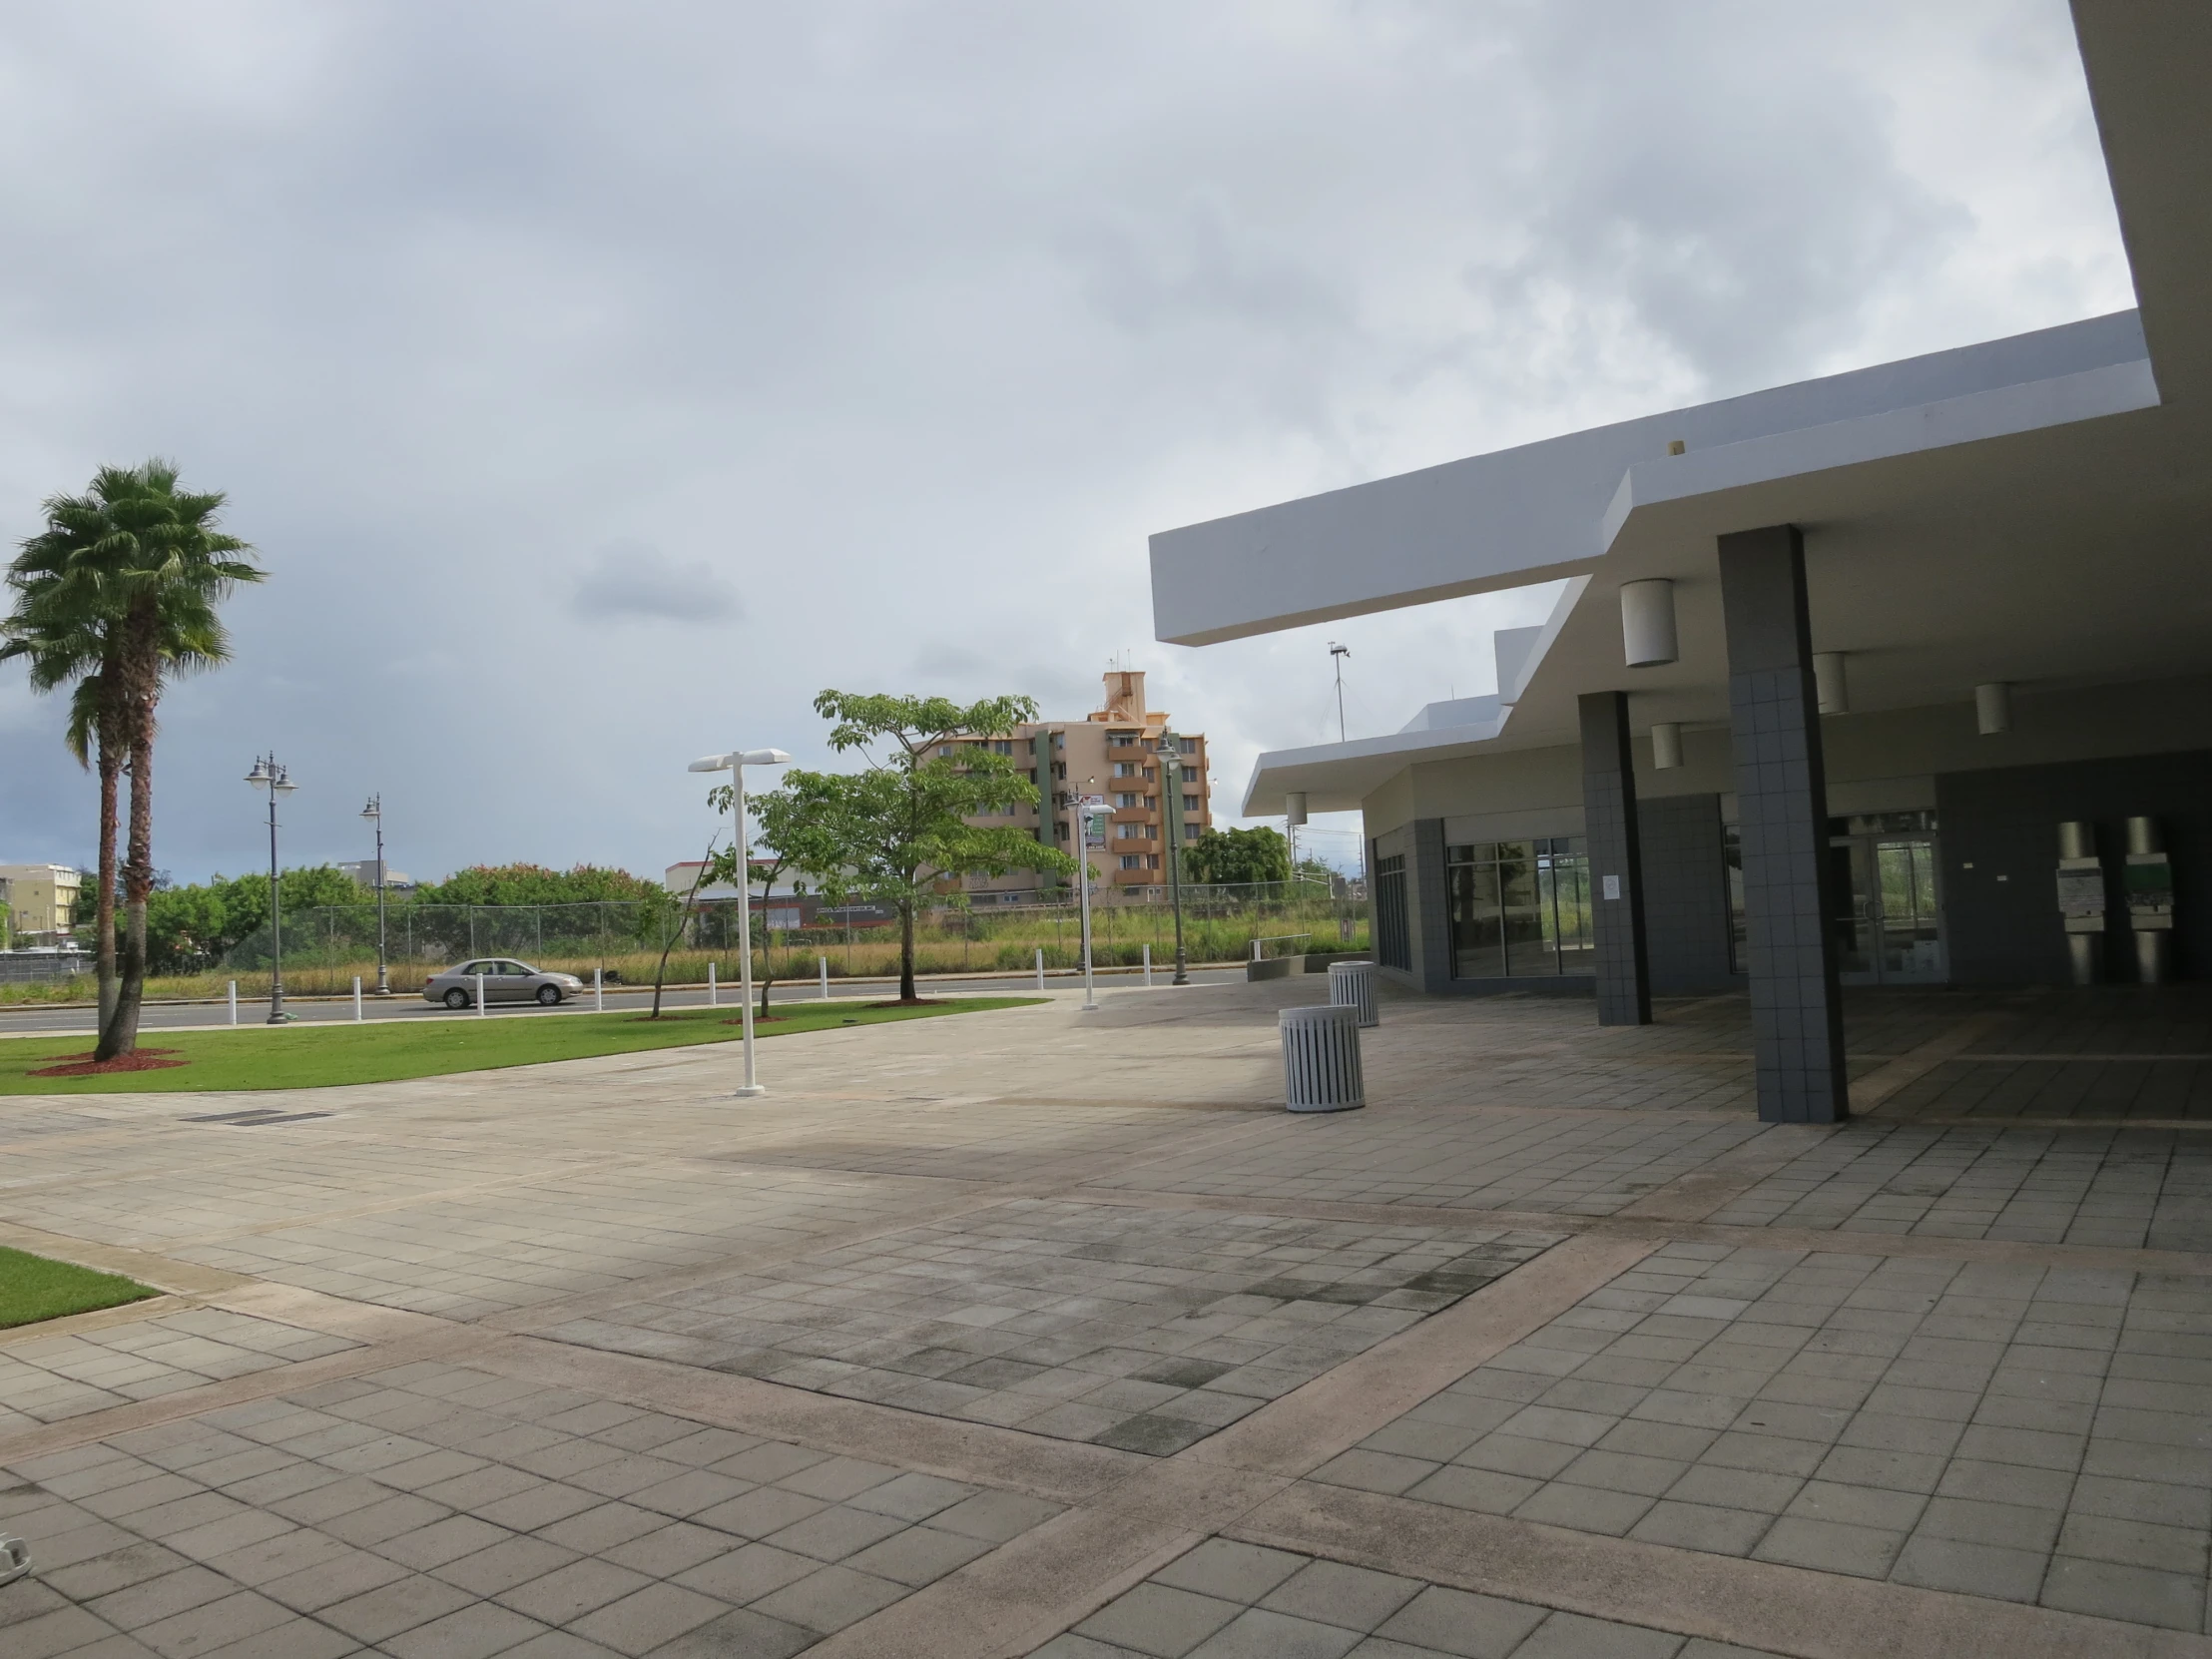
(267, 775)
(735, 764)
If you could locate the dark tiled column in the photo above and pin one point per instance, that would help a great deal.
(1429, 902)
(1797, 1020)
(1616, 871)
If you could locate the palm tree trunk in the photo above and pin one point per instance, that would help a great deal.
(111, 770)
(142, 684)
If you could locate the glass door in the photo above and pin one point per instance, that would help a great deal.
(1889, 927)
(1911, 941)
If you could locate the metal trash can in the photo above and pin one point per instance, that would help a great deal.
(1321, 1059)
(1351, 985)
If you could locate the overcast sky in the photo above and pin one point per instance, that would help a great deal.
(601, 381)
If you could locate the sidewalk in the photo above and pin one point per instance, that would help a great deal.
(1051, 1335)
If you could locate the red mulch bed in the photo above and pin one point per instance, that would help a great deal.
(84, 1065)
(757, 1019)
(918, 1002)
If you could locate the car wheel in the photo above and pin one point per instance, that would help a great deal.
(456, 999)
(548, 995)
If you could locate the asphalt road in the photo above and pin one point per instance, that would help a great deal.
(176, 1016)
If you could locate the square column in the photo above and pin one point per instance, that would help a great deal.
(1797, 1017)
(1616, 863)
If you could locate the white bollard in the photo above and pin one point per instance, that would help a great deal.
(233, 1002)
(1040, 967)
(479, 997)
(825, 977)
(1148, 967)
(598, 991)
(1254, 950)
(712, 997)
(356, 999)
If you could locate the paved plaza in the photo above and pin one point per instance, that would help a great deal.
(1044, 1333)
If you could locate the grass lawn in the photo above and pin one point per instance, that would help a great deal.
(34, 1289)
(384, 1051)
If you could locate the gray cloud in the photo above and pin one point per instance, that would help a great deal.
(630, 581)
(929, 314)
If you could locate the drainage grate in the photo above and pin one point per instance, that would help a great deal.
(255, 1118)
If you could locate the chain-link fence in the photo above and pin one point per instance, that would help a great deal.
(624, 940)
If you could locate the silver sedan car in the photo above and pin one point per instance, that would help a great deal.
(505, 980)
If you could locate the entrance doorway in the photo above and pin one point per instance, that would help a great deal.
(1889, 930)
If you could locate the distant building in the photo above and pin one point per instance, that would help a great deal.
(363, 872)
(41, 900)
(1113, 751)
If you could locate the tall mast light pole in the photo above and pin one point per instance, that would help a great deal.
(267, 775)
(374, 812)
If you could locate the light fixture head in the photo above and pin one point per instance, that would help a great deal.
(765, 757)
(375, 807)
(280, 780)
(258, 777)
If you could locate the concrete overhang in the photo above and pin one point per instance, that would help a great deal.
(2033, 509)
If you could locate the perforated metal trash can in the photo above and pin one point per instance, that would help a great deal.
(1351, 985)
(1321, 1059)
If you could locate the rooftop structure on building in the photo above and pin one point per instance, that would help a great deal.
(1895, 677)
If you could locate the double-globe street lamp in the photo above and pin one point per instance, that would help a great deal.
(375, 810)
(267, 775)
(735, 764)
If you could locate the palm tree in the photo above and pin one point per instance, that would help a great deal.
(60, 625)
(177, 567)
(117, 594)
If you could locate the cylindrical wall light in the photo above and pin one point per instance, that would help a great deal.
(1830, 687)
(1647, 622)
(1293, 806)
(1666, 745)
(1993, 708)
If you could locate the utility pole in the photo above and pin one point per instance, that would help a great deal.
(1338, 654)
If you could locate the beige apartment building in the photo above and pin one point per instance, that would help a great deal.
(41, 900)
(1113, 751)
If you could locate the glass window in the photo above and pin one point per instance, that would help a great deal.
(1519, 908)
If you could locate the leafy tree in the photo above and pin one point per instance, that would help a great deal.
(197, 925)
(1238, 856)
(774, 823)
(890, 832)
(537, 884)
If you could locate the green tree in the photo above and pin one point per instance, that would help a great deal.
(537, 884)
(774, 823)
(169, 561)
(195, 926)
(114, 595)
(892, 832)
(1238, 856)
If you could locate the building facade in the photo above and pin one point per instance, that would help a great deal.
(1894, 677)
(42, 901)
(1114, 752)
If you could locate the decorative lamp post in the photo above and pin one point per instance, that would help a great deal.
(374, 812)
(735, 764)
(1091, 816)
(267, 775)
(1171, 785)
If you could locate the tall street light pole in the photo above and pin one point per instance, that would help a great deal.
(1338, 654)
(267, 775)
(1171, 783)
(735, 764)
(375, 810)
